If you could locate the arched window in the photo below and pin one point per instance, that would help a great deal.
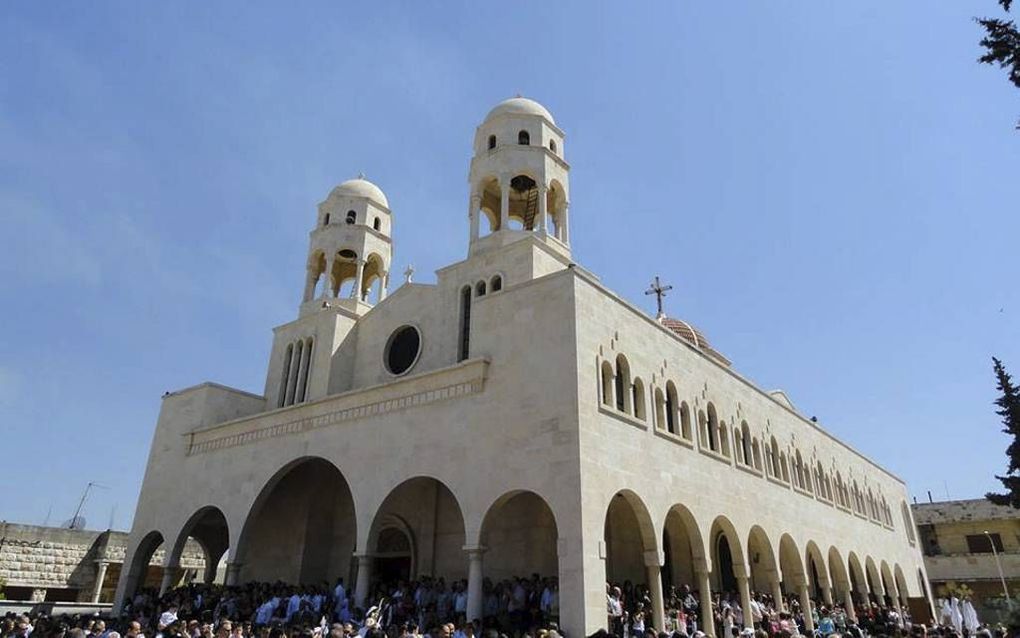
(756, 452)
(480, 289)
(523, 138)
(660, 409)
(351, 217)
(745, 441)
(496, 284)
(325, 221)
(685, 420)
(783, 467)
(738, 445)
(465, 324)
(376, 224)
(607, 383)
(552, 145)
(670, 407)
(724, 439)
(713, 429)
(622, 384)
(287, 356)
(770, 466)
(638, 398)
(492, 142)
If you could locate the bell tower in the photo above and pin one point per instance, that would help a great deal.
(350, 249)
(519, 178)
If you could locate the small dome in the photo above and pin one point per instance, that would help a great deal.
(520, 106)
(361, 187)
(693, 336)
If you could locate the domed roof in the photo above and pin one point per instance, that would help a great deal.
(361, 187)
(520, 106)
(693, 336)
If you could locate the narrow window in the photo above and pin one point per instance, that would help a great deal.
(638, 398)
(351, 217)
(492, 142)
(307, 368)
(523, 138)
(671, 408)
(286, 373)
(480, 289)
(619, 387)
(325, 222)
(497, 284)
(607, 383)
(552, 145)
(465, 323)
(376, 224)
(685, 420)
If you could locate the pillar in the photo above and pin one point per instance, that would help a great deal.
(777, 590)
(705, 617)
(745, 601)
(565, 225)
(474, 588)
(309, 285)
(170, 575)
(97, 589)
(474, 213)
(504, 203)
(848, 602)
(384, 283)
(826, 594)
(233, 576)
(805, 607)
(543, 214)
(327, 280)
(359, 277)
(653, 560)
(364, 579)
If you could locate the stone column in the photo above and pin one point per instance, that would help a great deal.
(745, 601)
(652, 563)
(474, 588)
(364, 579)
(705, 618)
(233, 576)
(474, 213)
(327, 280)
(97, 589)
(777, 590)
(827, 594)
(565, 224)
(170, 576)
(848, 602)
(543, 214)
(805, 606)
(309, 285)
(359, 277)
(504, 202)
(384, 283)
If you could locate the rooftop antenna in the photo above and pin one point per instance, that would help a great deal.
(659, 291)
(88, 488)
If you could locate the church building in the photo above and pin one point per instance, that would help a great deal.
(516, 417)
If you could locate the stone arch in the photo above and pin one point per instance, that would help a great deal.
(523, 199)
(873, 579)
(888, 584)
(762, 563)
(816, 570)
(344, 272)
(858, 580)
(901, 584)
(301, 527)
(791, 565)
(728, 561)
(372, 275)
(683, 548)
(490, 193)
(208, 526)
(838, 575)
(426, 513)
(556, 204)
(630, 538)
(139, 574)
(520, 537)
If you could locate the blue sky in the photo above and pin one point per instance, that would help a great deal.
(831, 188)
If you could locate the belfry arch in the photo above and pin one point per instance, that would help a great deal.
(301, 527)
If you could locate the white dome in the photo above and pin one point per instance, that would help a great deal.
(361, 187)
(520, 106)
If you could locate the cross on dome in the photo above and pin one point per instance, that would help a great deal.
(659, 291)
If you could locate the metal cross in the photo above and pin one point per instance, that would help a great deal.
(408, 273)
(659, 291)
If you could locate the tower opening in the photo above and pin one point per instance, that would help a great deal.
(351, 217)
(524, 201)
(492, 142)
(524, 138)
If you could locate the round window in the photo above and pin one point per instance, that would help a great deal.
(403, 349)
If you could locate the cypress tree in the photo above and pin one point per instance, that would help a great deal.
(1009, 409)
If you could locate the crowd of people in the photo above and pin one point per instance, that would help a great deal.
(525, 607)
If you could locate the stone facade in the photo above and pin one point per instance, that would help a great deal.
(515, 417)
(58, 564)
(958, 552)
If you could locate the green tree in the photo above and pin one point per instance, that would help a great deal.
(1009, 409)
(1002, 44)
